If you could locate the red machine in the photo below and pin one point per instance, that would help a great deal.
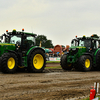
(92, 94)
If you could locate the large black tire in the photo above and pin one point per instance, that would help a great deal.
(9, 63)
(64, 64)
(0, 63)
(97, 67)
(85, 63)
(37, 61)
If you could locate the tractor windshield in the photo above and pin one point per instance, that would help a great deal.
(81, 42)
(85, 42)
(15, 39)
(11, 39)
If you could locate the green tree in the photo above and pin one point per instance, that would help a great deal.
(44, 42)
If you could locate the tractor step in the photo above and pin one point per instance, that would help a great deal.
(24, 62)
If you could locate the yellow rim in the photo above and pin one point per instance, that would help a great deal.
(38, 61)
(11, 63)
(87, 63)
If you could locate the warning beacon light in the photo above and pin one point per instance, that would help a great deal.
(7, 31)
(84, 36)
(22, 29)
(14, 30)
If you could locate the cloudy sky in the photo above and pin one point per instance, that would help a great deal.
(59, 20)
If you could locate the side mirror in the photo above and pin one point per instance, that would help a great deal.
(72, 42)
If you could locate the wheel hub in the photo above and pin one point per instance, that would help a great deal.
(11, 63)
(38, 61)
(35, 61)
(87, 63)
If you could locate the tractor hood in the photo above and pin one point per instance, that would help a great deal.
(5, 47)
(77, 50)
(6, 44)
(73, 47)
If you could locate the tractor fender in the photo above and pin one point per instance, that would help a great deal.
(32, 50)
(96, 52)
(12, 52)
(89, 55)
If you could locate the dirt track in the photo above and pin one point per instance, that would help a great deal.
(53, 84)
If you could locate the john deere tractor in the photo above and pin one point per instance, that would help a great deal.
(83, 55)
(18, 51)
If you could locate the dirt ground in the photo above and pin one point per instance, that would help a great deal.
(52, 84)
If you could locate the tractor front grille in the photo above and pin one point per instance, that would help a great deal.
(73, 51)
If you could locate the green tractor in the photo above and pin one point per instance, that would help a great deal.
(18, 52)
(83, 55)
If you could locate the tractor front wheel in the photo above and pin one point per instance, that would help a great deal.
(37, 61)
(9, 63)
(85, 63)
(64, 64)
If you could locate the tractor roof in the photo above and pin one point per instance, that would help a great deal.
(92, 37)
(14, 32)
(29, 33)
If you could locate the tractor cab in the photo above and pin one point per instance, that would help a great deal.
(90, 43)
(22, 40)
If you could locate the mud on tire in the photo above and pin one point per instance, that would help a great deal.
(37, 61)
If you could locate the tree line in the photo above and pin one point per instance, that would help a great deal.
(44, 41)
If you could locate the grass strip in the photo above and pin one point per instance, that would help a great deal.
(54, 67)
(52, 61)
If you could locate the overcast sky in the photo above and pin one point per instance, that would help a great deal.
(59, 20)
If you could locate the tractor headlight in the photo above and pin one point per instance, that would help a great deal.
(74, 49)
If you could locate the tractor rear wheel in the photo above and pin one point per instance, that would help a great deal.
(97, 61)
(0, 63)
(9, 63)
(85, 63)
(37, 61)
(64, 64)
